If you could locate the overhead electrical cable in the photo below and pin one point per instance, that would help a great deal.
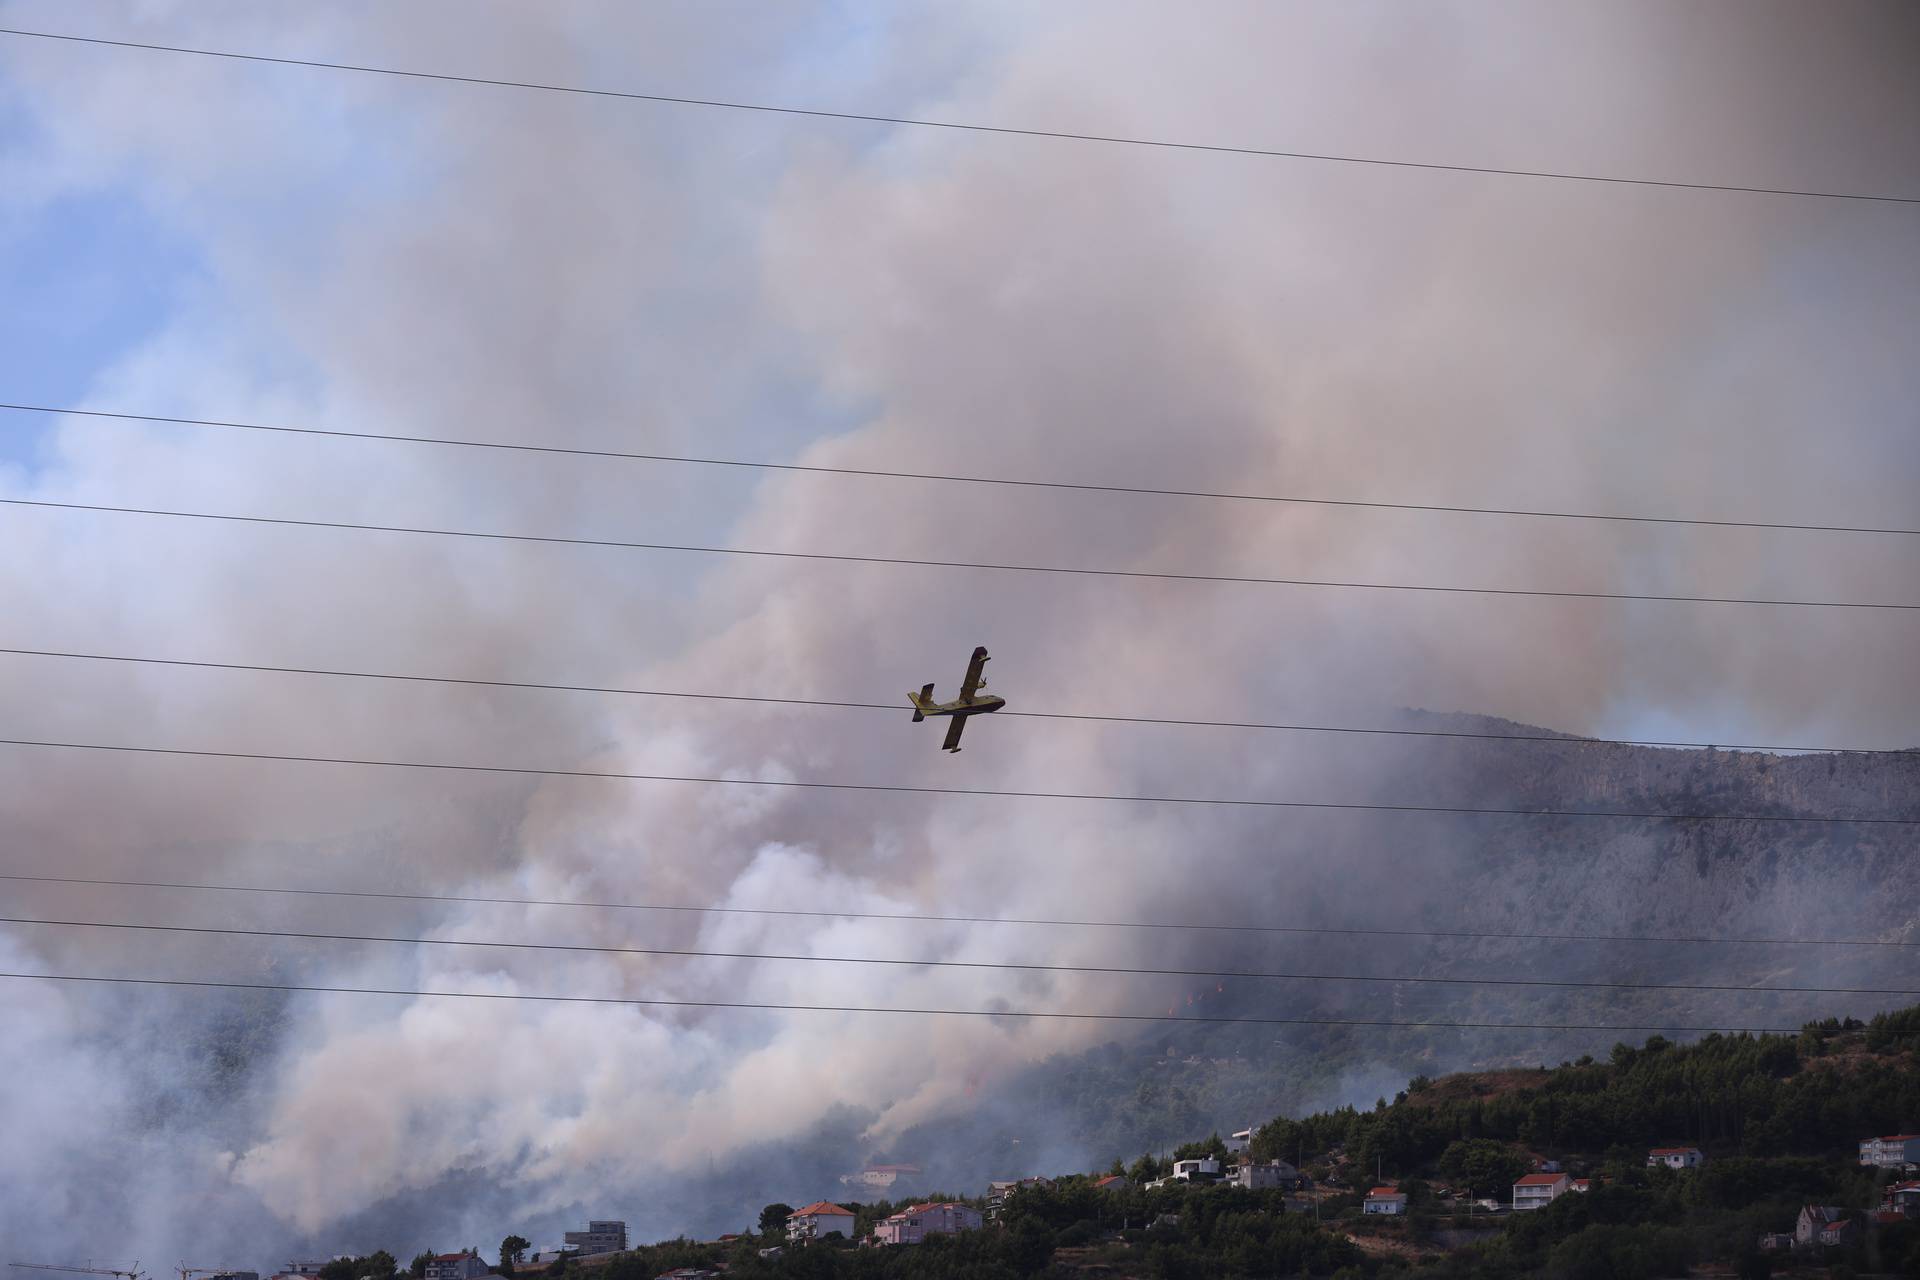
(949, 478)
(921, 917)
(906, 789)
(1049, 922)
(953, 125)
(1020, 1014)
(1052, 570)
(695, 953)
(896, 707)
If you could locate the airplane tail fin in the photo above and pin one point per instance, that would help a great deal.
(925, 696)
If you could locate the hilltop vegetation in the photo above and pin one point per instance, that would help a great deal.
(1814, 1094)
(1778, 1115)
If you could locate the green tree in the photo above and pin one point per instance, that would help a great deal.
(773, 1219)
(1484, 1166)
(1214, 1146)
(418, 1267)
(513, 1251)
(378, 1265)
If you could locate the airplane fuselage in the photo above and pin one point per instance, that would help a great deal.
(979, 706)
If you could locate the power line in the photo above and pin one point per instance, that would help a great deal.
(919, 917)
(904, 789)
(694, 953)
(948, 478)
(958, 126)
(1022, 1014)
(1054, 570)
(895, 708)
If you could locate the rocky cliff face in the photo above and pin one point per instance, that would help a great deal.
(1788, 873)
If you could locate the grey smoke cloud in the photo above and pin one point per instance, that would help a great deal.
(406, 257)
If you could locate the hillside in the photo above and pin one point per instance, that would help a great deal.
(1777, 1117)
(1664, 878)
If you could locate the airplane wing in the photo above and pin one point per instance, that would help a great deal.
(971, 684)
(954, 727)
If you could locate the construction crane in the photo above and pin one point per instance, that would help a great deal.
(132, 1273)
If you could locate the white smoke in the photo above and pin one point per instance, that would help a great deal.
(453, 260)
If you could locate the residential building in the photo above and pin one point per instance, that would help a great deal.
(1775, 1241)
(915, 1223)
(1267, 1175)
(1239, 1142)
(1546, 1166)
(456, 1266)
(1904, 1198)
(1112, 1182)
(1676, 1157)
(303, 1268)
(1892, 1151)
(1387, 1200)
(1581, 1185)
(1538, 1190)
(818, 1221)
(603, 1235)
(880, 1176)
(1203, 1170)
(1813, 1223)
(997, 1192)
(1834, 1235)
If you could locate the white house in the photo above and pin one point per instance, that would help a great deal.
(1818, 1221)
(1267, 1175)
(1204, 1170)
(818, 1221)
(1239, 1142)
(1389, 1200)
(1892, 1151)
(914, 1224)
(1538, 1190)
(880, 1176)
(1676, 1157)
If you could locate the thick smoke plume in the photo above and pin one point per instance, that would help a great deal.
(375, 254)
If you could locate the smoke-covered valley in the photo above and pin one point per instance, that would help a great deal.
(370, 254)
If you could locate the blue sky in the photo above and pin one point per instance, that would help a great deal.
(87, 276)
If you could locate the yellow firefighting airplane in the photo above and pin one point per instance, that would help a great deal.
(970, 703)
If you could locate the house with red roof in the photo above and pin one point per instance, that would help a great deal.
(456, 1266)
(1112, 1182)
(1538, 1190)
(1902, 1198)
(819, 1220)
(1823, 1224)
